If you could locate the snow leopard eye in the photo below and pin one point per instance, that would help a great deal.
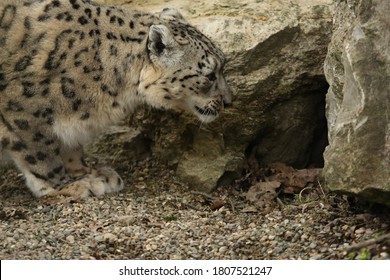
(212, 77)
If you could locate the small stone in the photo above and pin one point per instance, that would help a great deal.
(316, 257)
(304, 237)
(222, 249)
(110, 237)
(70, 239)
(313, 245)
(252, 225)
(271, 237)
(345, 227)
(176, 257)
(360, 230)
(127, 220)
(278, 250)
(263, 238)
(324, 249)
(99, 238)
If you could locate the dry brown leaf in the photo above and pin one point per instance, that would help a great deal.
(217, 203)
(262, 190)
(263, 195)
(292, 180)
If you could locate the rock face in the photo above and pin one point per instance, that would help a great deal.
(275, 52)
(357, 67)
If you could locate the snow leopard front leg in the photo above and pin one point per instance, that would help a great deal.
(97, 181)
(52, 170)
(39, 161)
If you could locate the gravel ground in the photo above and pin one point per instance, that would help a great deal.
(157, 217)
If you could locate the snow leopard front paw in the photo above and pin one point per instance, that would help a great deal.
(104, 180)
(100, 181)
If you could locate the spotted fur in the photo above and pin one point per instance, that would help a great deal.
(69, 69)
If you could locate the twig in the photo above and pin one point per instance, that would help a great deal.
(300, 198)
(204, 194)
(280, 202)
(232, 205)
(322, 190)
(191, 206)
(367, 243)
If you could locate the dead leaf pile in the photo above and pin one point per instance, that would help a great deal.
(269, 182)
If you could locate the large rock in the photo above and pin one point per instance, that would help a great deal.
(275, 52)
(358, 102)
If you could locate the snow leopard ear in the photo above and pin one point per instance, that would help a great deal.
(160, 39)
(170, 13)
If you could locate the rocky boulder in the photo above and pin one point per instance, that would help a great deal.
(275, 52)
(357, 68)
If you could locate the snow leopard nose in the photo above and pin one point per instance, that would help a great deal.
(226, 100)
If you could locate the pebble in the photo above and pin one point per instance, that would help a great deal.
(134, 225)
(110, 237)
(127, 220)
(278, 250)
(222, 249)
(70, 239)
(176, 257)
(304, 236)
(288, 234)
(316, 257)
(360, 230)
